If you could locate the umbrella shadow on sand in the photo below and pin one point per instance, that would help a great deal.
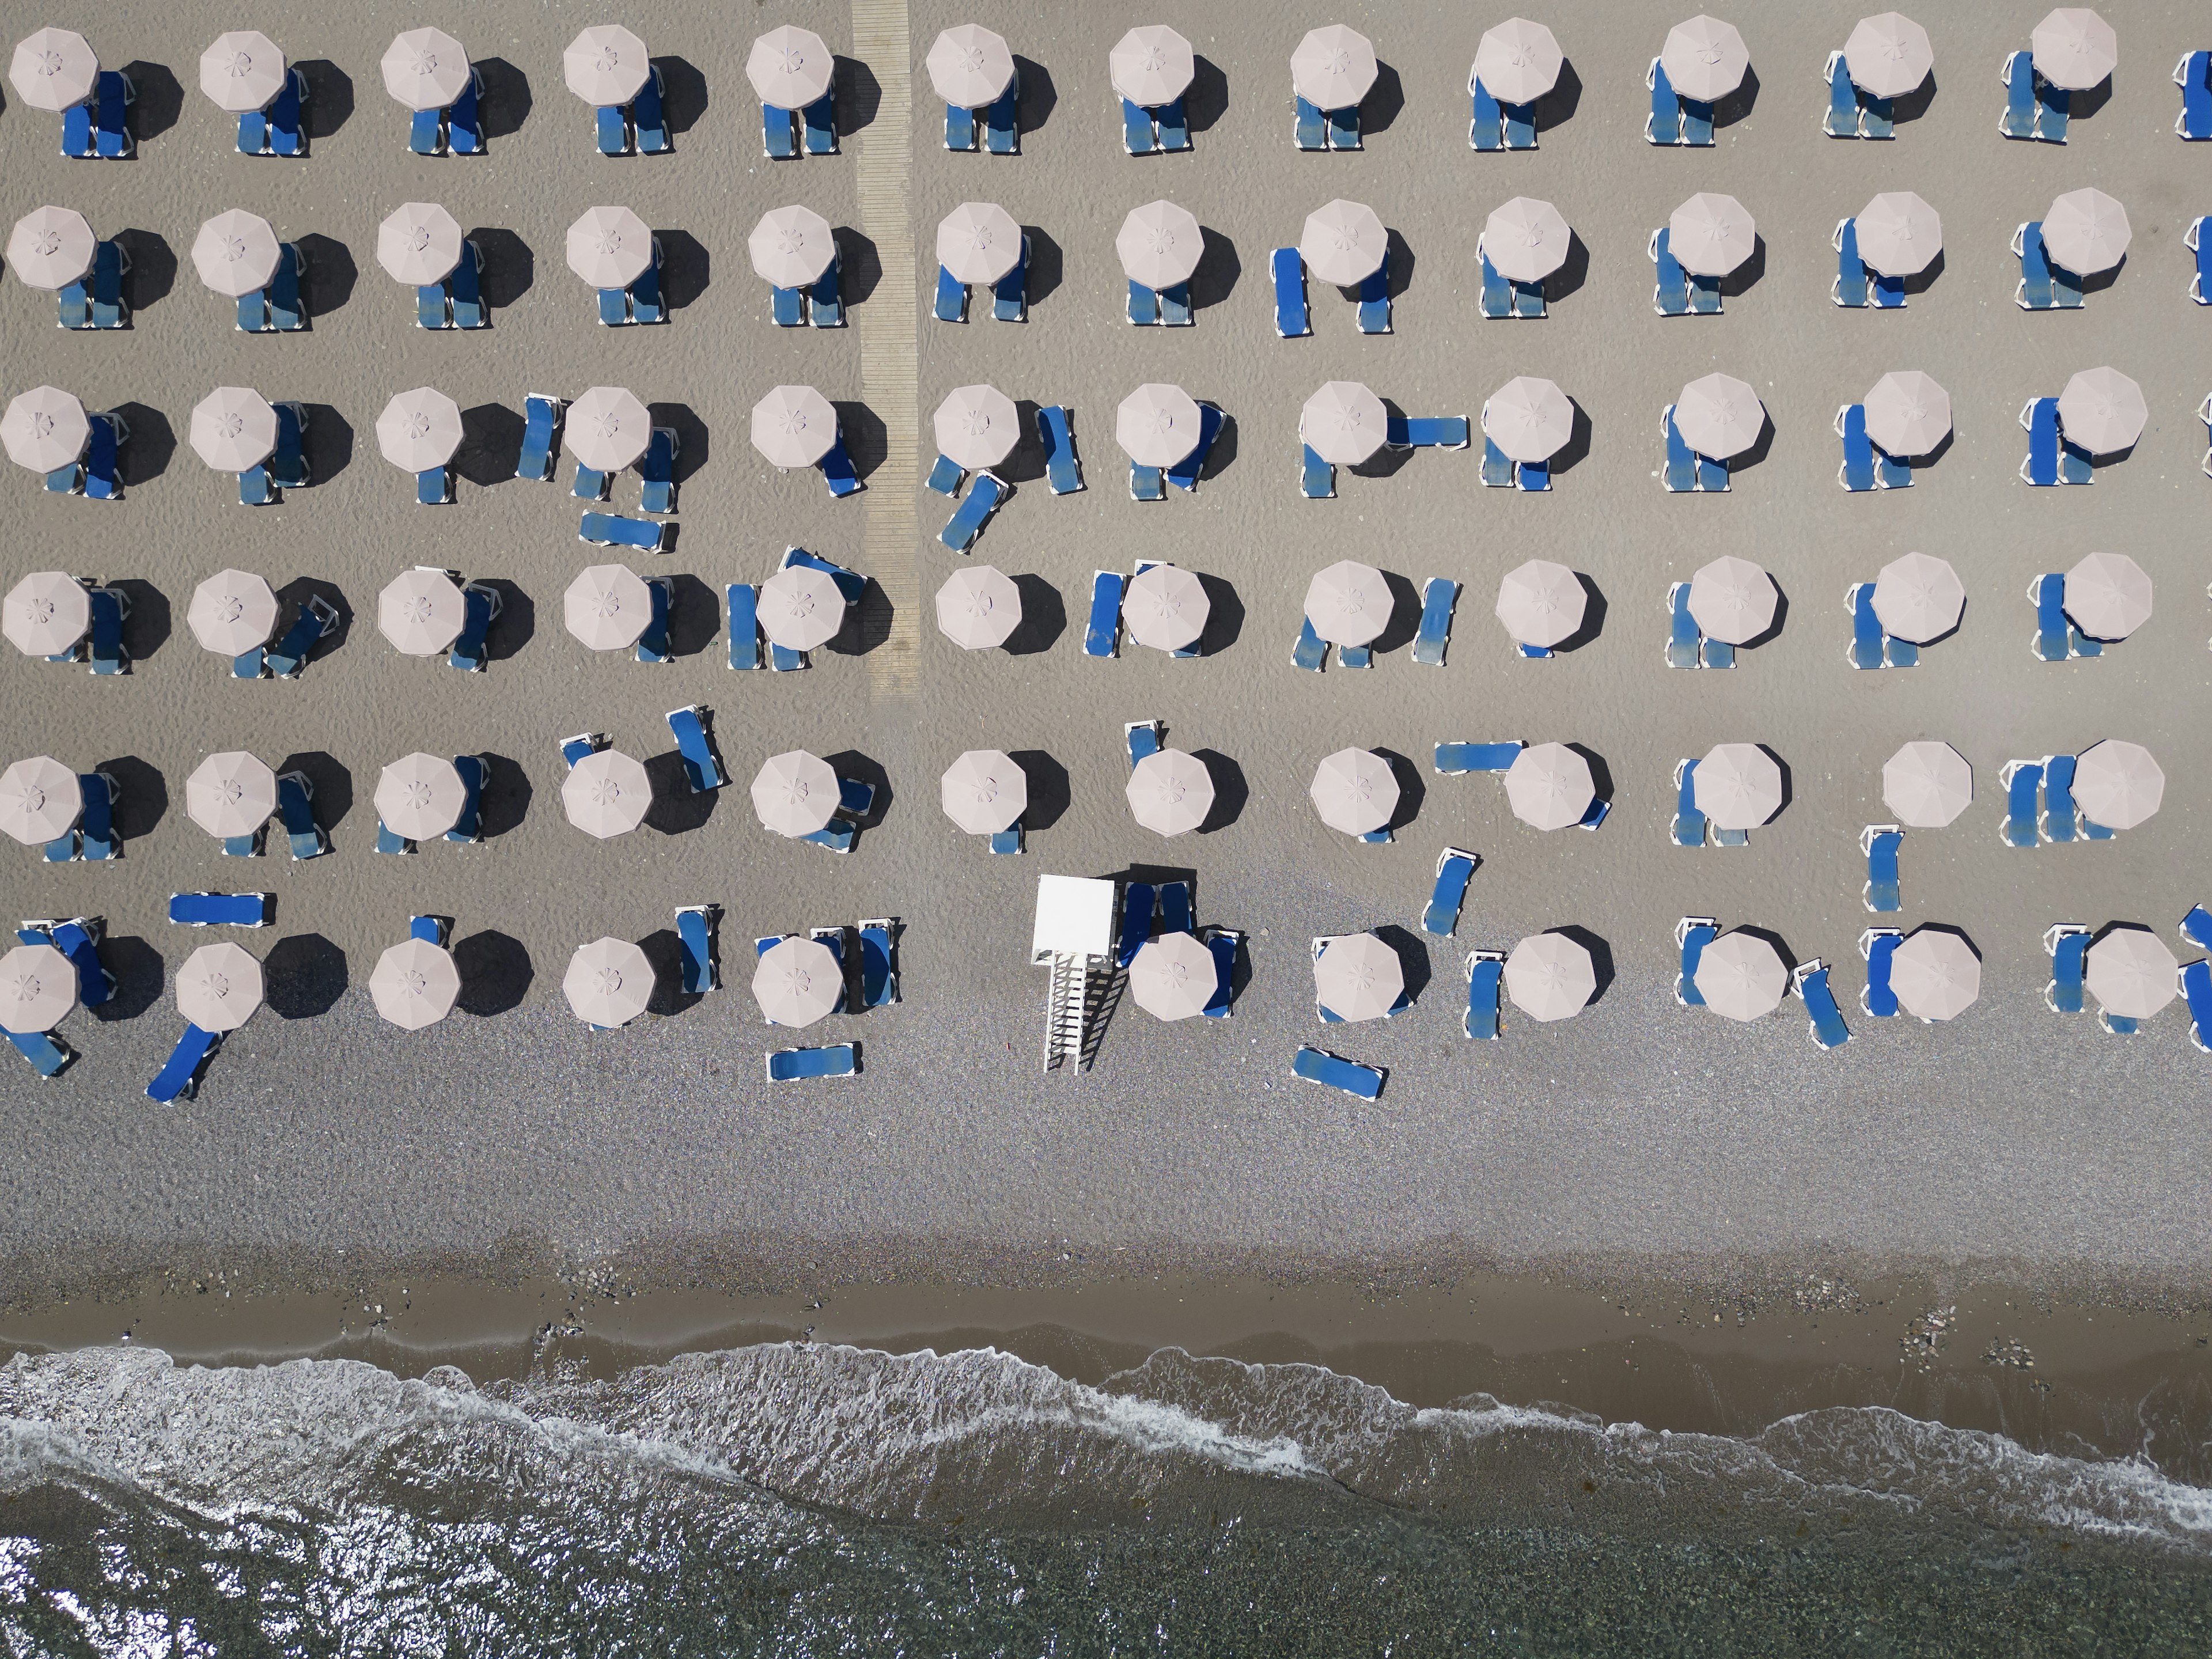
(1230, 791)
(305, 976)
(687, 269)
(1206, 100)
(495, 973)
(1601, 955)
(666, 952)
(675, 809)
(1215, 273)
(851, 763)
(1737, 106)
(1593, 610)
(144, 792)
(507, 796)
(1383, 102)
(683, 93)
(1412, 790)
(139, 977)
(292, 599)
(1050, 793)
(1739, 281)
(1039, 95)
(327, 442)
(1044, 617)
(860, 95)
(510, 268)
(153, 441)
(867, 442)
(160, 100)
(1225, 616)
(146, 629)
(1043, 276)
(860, 266)
(1557, 107)
(330, 784)
(1413, 958)
(867, 623)
(507, 101)
(694, 616)
(153, 268)
(329, 96)
(491, 444)
(330, 276)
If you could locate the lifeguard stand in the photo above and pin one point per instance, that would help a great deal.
(1074, 934)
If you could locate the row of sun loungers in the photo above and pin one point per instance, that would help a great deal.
(2029, 822)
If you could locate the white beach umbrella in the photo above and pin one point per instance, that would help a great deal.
(976, 425)
(1349, 603)
(419, 429)
(1526, 239)
(1529, 419)
(1732, 600)
(233, 429)
(1172, 977)
(1705, 59)
(1741, 976)
(800, 608)
(1899, 233)
(969, 65)
(793, 426)
(1549, 787)
(1356, 976)
(608, 428)
(425, 68)
(1152, 65)
(984, 792)
(2131, 973)
(605, 65)
(50, 247)
(2074, 48)
(798, 980)
(1907, 413)
(1719, 415)
(2108, 596)
(1936, 975)
(1927, 784)
(1517, 60)
(1166, 606)
(2117, 784)
(795, 794)
(242, 70)
(978, 607)
(1355, 791)
(607, 607)
(235, 252)
(2086, 231)
(218, 988)
(1169, 792)
(1344, 423)
(1541, 602)
(790, 67)
(418, 243)
(420, 796)
(231, 794)
(44, 428)
(46, 613)
(40, 800)
(1919, 598)
(415, 984)
(53, 69)
(2102, 411)
(1737, 786)
(231, 612)
(1549, 976)
(1160, 243)
(609, 246)
(609, 982)
(1332, 68)
(1888, 55)
(1343, 242)
(1711, 235)
(1157, 425)
(421, 611)
(606, 793)
(791, 246)
(978, 242)
(37, 988)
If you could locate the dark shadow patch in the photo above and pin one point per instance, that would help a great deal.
(1413, 788)
(859, 267)
(1025, 463)
(329, 97)
(1781, 945)
(144, 795)
(1593, 610)
(2103, 279)
(1388, 462)
(1781, 615)
(1914, 103)
(665, 950)
(303, 976)
(1205, 99)
(866, 625)
(1218, 271)
(1601, 955)
(510, 268)
(145, 455)
(1405, 615)
(686, 268)
(516, 626)
(1739, 281)
(1412, 954)
(507, 796)
(695, 616)
(1401, 257)
(153, 267)
(1384, 102)
(1038, 98)
(1937, 453)
(1223, 455)
(1788, 783)
(139, 977)
(330, 276)
(1230, 791)
(683, 96)
(1225, 616)
(2081, 105)
(505, 102)
(860, 95)
(1573, 272)
(327, 442)
(1924, 278)
(1044, 618)
(1558, 107)
(694, 443)
(146, 629)
(295, 594)
(495, 973)
(1601, 774)
(1050, 794)
(1571, 453)
(1041, 280)
(1760, 448)
(851, 763)
(159, 101)
(1965, 938)
(676, 811)
(865, 438)
(331, 791)
(1738, 105)
(491, 444)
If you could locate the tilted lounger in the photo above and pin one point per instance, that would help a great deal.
(850, 584)
(985, 492)
(613, 530)
(656, 469)
(2196, 928)
(1670, 292)
(1316, 477)
(1375, 299)
(1680, 477)
(879, 982)
(294, 794)
(1102, 635)
(220, 909)
(1485, 968)
(701, 769)
(480, 607)
(837, 469)
(1063, 470)
(696, 926)
(1852, 278)
(1183, 475)
(1877, 946)
(1880, 842)
(1453, 758)
(792, 1064)
(2195, 980)
(1842, 120)
(1827, 1028)
(2039, 416)
(2022, 781)
(2199, 289)
(1222, 942)
(1453, 866)
(1141, 738)
(1317, 1065)
(1663, 125)
(179, 1077)
(1438, 595)
(1010, 301)
(2067, 944)
(1497, 300)
(317, 620)
(541, 428)
(946, 476)
(49, 1055)
(1692, 935)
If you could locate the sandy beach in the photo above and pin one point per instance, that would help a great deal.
(2010, 1144)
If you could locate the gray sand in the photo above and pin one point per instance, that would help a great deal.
(1637, 1128)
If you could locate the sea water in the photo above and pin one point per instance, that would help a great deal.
(810, 1499)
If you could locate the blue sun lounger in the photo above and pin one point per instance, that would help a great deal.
(2197, 992)
(697, 926)
(2196, 928)
(1692, 935)
(1867, 637)
(1856, 474)
(1175, 908)
(1221, 943)
(985, 493)
(2195, 240)
(1497, 298)
(1438, 595)
(179, 1077)
(744, 625)
(880, 985)
(946, 476)
(2192, 73)
(1876, 945)
(1311, 651)
(294, 796)
(2040, 418)
(1317, 1065)
(1452, 759)
(1810, 981)
(952, 304)
(613, 530)
(316, 619)
(1670, 292)
(1850, 287)
(541, 426)
(1683, 636)
(2058, 821)
(1055, 431)
(1309, 127)
(1842, 120)
(1142, 739)
(697, 745)
(1136, 926)
(1880, 842)
(1663, 125)
(1486, 127)
(1292, 319)
(1682, 475)
(220, 909)
(656, 470)
(1689, 827)
(480, 607)
(49, 1055)
(1485, 968)
(2022, 781)
(1183, 475)
(1102, 635)
(1316, 477)
(1453, 866)
(2067, 944)
(1375, 299)
(1010, 301)
(837, 469)
(795, 1065)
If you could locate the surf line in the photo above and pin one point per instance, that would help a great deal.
(889, 370)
